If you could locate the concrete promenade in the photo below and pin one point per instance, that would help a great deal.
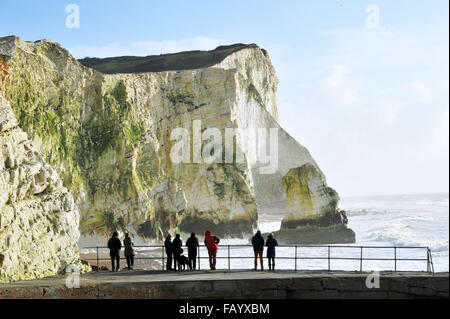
(233, 284)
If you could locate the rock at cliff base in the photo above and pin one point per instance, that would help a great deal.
(312, 215)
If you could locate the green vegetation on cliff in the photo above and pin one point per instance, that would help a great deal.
(165, 62)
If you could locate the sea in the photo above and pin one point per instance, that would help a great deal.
(401, 227)
(403, 221)
(393, 227)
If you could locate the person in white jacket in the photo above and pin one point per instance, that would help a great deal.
(129, 251)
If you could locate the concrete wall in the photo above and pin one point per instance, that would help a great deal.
(279, 286)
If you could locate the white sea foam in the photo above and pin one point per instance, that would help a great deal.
(406, 220)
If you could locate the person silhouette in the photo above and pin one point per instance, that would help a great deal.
(114, 246)
(169, 251)
(258, 248)
(177, 243)
(129, 251)
(211, 243)
(271, 243)
(192, 244)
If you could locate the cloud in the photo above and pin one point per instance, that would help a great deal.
(389, 110)
(336, 77)
(423, 91)
(340, 87)
(441, 131)
(354, 32)
(144, 48)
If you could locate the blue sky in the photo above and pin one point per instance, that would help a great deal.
(370, 104)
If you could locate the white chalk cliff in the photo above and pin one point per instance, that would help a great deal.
(38, 217)
(105, 126)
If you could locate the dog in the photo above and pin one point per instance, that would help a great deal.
(183, 261)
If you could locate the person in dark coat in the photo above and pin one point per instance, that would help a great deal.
(177, 251)
(258, 248)
(114, 246)
(129, 251)
(212, 244)
(192, 244)
(169, 251)
(271, 243)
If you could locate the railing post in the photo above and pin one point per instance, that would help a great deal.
(295, 257)
(431, 261)
(395, 258)
(329, 260)
(229, 266)
(98, 265)
(198, 248)
(361, 260)
(163, 248)
(428, 260)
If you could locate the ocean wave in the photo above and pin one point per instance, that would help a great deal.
(404, 235)
(366, 212)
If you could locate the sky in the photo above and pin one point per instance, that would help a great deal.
(364, 85)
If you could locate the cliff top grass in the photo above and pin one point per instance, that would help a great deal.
(187, 60)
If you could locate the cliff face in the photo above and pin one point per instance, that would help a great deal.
(109, 138)
(38, 217)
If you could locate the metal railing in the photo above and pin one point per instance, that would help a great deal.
(328, 257)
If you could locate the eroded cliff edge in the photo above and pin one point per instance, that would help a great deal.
(38, 217)
(108, 136)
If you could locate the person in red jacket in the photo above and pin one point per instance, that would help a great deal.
(211, 243)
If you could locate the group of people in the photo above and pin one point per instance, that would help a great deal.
(174, 250)
(115, 246)
(258, 248)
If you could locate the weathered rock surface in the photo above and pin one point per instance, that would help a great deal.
(38, 217)
(312, 214)
(109, 137)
